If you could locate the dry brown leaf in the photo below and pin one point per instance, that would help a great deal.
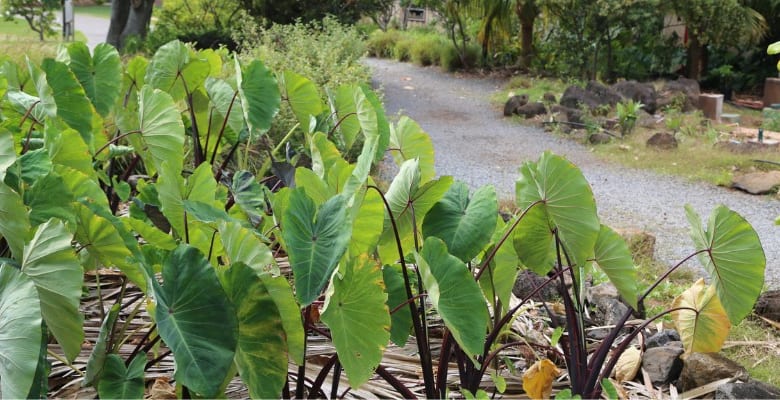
(161, 389)
(628, 364)
(537, 380)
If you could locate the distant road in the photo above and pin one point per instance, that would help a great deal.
(475, 144)
(94, 28)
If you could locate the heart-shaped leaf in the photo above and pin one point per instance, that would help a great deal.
(356, 313)
(732, 254)
(614, 258)
(316, 240)
(20, 332)
(50, 261)
(703, 323)
(465, 225)
(409, 141)
(455, 294)
(262, 340)
(196, 320)
(120, 382)
(99, 74)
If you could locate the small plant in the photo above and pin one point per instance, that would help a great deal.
(674, 119)
(774, 48)
(627, 113)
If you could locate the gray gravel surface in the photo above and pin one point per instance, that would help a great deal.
(475, 144)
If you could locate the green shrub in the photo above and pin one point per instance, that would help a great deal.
(328, 53)
(381, 44)
(403, 48)
(425, 51)
(450, 60)
(206, 24)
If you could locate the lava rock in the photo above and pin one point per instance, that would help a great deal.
(757, 182)
(527, 281)
(700, 369)
(688, 89)
(515, 102)
(549, 98)
(768, 305)
(747, 390)
(575, 97)
(639, 92)
(571, 114)
(663, 364)
(662, 338)
(663, 141)
(531, 110)
(608, 309)
(603, 94)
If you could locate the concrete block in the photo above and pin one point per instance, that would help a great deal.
(711, 105)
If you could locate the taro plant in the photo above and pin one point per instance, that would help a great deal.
(199, 240)
(627, 113)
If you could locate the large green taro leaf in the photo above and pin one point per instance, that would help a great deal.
(14, 223)
(701, 319)
(196, 320)
(50, 261)
(99, 74)
(162, 130)
(262, 345)
(73, 106)
(324, 154)
(225, 100)
(82, 186)
(614, 258)
(316, 240)
(241, 245)
(67, 148)
(344, 113)
(376, 132)
(166, 68)
(43, 205)
(20, 332)
(358, 318)
(409, 203)
(7, 151)
(731, 253)
(367, 223)
(568, 202)
(501, 273)
(408, 141)
(455, 294)
(465, 225)
(259, 93)
(120, 382)
(401, 319)
(248, 195)
(101, 237)
(97, 359)
(303, 97)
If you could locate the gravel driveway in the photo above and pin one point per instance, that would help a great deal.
(475, 144)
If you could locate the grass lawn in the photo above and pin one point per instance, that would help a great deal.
(697, 158)
(18, 41)
(103, 11)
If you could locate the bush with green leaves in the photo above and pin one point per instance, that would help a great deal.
(381, 43)
(375, 265)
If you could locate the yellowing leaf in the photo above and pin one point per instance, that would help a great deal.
(703, 323)
(537, 380)
(628, 364)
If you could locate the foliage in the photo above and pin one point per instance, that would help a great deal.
(381, 43)
(627, 113)
(376, 265)
(39, 15)
(207, 23)
(426, 51)
(291, 11)
(774, 48)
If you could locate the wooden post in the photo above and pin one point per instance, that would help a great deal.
(771, 91)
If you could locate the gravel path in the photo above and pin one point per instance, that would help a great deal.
(476, 145)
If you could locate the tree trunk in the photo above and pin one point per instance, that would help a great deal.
(129, 18)
(527, 12)
(695, 58)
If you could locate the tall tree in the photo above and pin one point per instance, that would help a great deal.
(129, 18)
(39, 14)
(716, 22)
(527, 11)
